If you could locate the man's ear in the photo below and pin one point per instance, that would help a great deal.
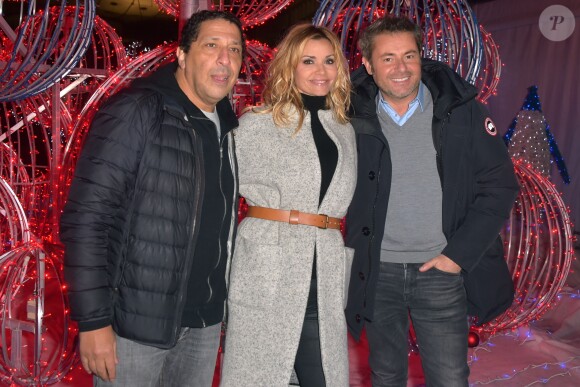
(367, 65)
(180, 54)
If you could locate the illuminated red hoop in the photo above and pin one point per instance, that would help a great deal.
(38, 346)
(538, 248)
(488, 77)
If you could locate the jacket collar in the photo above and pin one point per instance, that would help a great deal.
(447, 88)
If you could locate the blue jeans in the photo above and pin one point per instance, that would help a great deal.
(191, 363)
(437, 305)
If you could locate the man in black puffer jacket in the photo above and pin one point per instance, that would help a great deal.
(150, 219)
(435, 186)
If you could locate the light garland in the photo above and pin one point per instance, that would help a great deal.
(248, 89)
(521, 336)
(528, 135)
(35, 129)
(250, 12)
(538, 241)
(490, 71)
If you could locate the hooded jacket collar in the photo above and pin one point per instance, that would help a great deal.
(447, 88)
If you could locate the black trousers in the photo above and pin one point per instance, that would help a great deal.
(308, 362)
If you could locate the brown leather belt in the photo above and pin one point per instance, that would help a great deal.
(293, 217)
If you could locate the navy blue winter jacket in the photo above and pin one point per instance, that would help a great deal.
(478, 183)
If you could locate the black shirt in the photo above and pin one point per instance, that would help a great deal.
(327, 152)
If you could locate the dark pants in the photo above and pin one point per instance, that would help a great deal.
(436, 303)
(308, 362)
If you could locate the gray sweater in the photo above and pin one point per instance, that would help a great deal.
(413, 229)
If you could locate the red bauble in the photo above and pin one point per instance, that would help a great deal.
(472, 339)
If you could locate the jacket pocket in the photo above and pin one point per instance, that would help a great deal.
(348, 258)
(255, 274)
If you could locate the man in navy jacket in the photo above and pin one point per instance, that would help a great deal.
(435, 187)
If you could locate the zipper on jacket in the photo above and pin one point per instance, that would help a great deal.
(234, 217)
(220, 146)
(221, 142)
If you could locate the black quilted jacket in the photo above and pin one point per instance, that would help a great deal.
(131, 222)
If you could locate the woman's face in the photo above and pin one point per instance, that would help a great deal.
(317, 70)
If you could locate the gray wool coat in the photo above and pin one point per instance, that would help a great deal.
(272, 263)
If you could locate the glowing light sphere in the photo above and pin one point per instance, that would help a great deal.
(45, 47)
(35, 129)
(538, 248)
(104, 55)
(450, 31)
(250, 12)
(36, 335)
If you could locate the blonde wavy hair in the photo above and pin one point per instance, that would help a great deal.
(280, 93)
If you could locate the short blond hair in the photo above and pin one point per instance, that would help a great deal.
(281, 94)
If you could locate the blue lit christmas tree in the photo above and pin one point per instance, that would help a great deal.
(529, 138)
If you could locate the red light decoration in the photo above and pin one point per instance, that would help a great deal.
(538, 248)
(34, 129)
(490, 72)
(248, 89)
(45, 47)
(42, 135)
(37, 337)
(250, 12)
(450, 33)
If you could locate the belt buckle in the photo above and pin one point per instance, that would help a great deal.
(325, 224)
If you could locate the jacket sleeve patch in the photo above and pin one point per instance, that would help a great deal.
(490, 127)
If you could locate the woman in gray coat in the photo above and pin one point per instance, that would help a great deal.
(297, 165)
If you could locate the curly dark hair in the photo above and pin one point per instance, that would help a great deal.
(190, 30)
